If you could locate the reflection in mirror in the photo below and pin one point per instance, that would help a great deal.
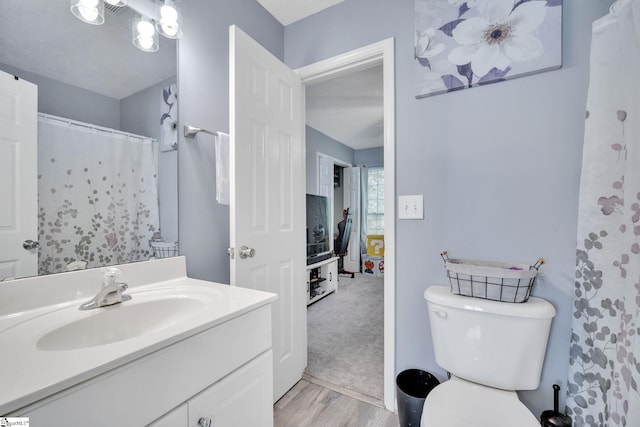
(107, 137)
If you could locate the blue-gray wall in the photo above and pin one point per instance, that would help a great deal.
(71, 102)
(369, 157)
(140, 112)
(318, 142)
(203, 82)
(498, 167)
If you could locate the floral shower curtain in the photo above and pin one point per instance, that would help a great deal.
(97, 196)
(604, 372)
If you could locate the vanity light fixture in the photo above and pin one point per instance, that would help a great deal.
(153, 17)
(89, 11)
(145, 36)
(169, 23)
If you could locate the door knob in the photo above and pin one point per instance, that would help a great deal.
(246, 252)
(204, 422)
(231, 252)
(30, 244)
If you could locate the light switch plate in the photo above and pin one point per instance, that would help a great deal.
(410, 207)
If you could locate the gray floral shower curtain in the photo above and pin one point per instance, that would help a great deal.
(97, 196)
(604, 373)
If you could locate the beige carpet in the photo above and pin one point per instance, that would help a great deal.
(345, 336)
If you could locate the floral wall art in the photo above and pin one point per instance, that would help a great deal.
(169, 118)
(464, 43)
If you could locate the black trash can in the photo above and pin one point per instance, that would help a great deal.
(412, 388)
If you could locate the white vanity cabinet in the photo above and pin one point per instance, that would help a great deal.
(223, 374)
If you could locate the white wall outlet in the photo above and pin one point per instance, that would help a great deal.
(410, 207)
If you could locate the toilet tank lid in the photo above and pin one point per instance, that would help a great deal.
(533, 308)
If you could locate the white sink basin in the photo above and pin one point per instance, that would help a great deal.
(120, 322)
(138, 321)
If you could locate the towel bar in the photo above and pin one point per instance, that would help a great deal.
(191, 131)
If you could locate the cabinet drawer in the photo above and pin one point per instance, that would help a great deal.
(242, 399)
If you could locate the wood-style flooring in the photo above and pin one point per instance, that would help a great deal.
(309, 404)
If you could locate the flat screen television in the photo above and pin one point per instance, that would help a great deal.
(318, 230)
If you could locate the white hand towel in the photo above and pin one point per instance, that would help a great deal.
(222, 168)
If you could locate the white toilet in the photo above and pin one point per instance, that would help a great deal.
(491, 350)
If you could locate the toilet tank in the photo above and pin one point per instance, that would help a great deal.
(496, 344)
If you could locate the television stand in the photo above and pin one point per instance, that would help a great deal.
(322, 279)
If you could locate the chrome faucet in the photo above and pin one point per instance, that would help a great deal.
(110, 293)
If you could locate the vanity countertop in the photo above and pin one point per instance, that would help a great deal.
(29, 373)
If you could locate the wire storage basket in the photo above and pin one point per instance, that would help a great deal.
(497, 281)
(163, 249)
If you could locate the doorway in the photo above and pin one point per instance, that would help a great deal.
(381, 53)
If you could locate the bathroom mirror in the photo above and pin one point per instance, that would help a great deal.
(93, 76)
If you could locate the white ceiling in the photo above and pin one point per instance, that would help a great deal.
(43, 37)
(349, 108)
(290, 11)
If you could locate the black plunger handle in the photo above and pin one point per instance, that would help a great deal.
(556, 390)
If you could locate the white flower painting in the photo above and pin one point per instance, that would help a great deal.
(464, 43)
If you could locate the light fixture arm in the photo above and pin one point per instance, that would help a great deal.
(144, 7)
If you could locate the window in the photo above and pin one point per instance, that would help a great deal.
(375, 200)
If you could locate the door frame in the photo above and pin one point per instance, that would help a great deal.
(362, 58)
(335, 161)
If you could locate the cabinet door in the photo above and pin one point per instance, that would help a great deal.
(244, 398)
(332, 275)
(175, 418)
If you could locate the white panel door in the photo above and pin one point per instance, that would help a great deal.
(325, 177)
(18, 176)
(267, 197)
(351, 179)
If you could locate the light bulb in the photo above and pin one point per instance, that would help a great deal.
(89, 11)
(145, 36)
(168, 14)
(145, 42)
(169, 22)
(145, 29)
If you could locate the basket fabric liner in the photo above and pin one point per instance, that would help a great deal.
(490, 269)
(496, 281)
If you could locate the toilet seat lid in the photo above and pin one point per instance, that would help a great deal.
(459, 403)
